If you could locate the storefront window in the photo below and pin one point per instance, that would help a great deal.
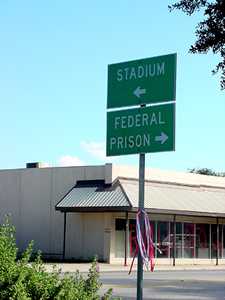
(163, 239)
(120, 228)
(214, 241)
(202, 241)
(189, 240)
(171, 239)
(223, 238)
(132, 238)
(179, 240)
(152, 224)
(220, 241)
(120, 237)
(192, 240)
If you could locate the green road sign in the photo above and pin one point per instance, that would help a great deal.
(143, 81)
(141, 130)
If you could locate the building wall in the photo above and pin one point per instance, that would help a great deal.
(88, 235)
(10, 198)
(30, 196)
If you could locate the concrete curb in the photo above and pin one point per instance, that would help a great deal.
(83, 268)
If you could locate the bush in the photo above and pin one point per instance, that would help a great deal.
(24, 280)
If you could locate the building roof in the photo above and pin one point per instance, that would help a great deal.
(122, 195)
(177, 198)
(167, 176)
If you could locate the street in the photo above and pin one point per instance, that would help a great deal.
(185, 284)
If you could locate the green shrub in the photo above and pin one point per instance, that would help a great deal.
(25, 280)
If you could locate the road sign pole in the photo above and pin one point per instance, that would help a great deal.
(141, 206)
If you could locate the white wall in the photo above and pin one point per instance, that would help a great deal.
(10, 199)
(88, 235)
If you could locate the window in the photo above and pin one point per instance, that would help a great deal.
(223, 239)
(189, 240)
(179, 242)
(120, 226)
(202, 241)
(163, 239)
(214, 241)
(220, 241)
(132, 237)
(192, 240)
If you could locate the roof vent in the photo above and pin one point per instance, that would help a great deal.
(31, 165)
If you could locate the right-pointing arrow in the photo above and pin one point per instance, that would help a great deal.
(161, 138)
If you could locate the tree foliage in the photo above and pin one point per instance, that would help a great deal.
(210, 32)
(206, 171)
(23, 279)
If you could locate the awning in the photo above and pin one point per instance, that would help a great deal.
(94, 196)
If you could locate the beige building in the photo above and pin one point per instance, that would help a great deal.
(79, 212)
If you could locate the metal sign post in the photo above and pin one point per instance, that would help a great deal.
(141, 206)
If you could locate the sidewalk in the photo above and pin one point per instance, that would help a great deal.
(104, 267)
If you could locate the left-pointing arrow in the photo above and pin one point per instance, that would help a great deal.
(138, 92)
(161, 138)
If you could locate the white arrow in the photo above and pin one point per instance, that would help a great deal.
(161, 138)
(138, 92)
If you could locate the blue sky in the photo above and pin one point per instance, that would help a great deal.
(53, 81)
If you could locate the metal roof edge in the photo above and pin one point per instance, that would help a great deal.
(123, 191)
(95, 209)
(183, 213)
(173, 183)
(64, 197)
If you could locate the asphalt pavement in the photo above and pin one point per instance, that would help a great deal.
(163, 285)
(205, 282)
